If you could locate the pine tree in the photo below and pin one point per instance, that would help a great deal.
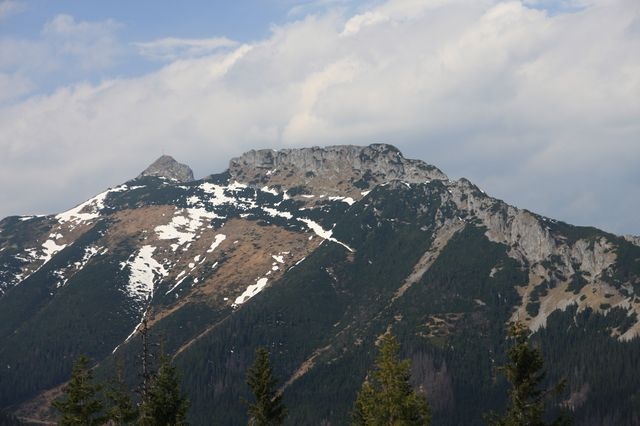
(121, 410)
(165, 405)
(388, 398)
(525, 373)
(80, 404)
(268, 409)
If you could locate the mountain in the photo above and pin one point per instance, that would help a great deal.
(315, 253)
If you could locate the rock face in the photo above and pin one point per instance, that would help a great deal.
(166, 166)
(332, 168)
(634, 239)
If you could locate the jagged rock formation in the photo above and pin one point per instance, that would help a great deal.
(340, 169)
(167, 167)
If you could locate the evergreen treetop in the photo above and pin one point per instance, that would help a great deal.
(526, 375)
(165, 404)
(80, 405)
(387, 398)
(267, 410)
(120, 410)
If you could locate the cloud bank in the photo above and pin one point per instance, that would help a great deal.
(172, 48)
(540, 109)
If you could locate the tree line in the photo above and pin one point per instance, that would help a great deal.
(385, 398)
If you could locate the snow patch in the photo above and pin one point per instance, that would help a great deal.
(183, 226)
(50, 248)
(251, 291)
(89, 252)
(90, 209)
(322, 233)
(193, 200)
(25, 218)
(269, 190)
(144, 270)
(275, 213)
(177, 283)
(218, 239)
(347, 200)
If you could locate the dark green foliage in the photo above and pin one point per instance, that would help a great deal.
(165, 405)
(577, 282)
(267, 408)
(627, 266)
(120, 407)
(365, 181)
(328, 213)
(387, 397)
(80, 405)
(540, 290)
(533, 308)
(455, 316)
(63, 326)
(574, 233)
(526, 375)
(298, 190)
(16, 235)
(575, 344)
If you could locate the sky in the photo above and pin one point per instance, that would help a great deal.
(535, 101)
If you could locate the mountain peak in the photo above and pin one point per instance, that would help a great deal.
(166, 166)
(329, 167)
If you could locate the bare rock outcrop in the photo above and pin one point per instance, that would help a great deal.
(633, 239)
(336, 167)
(167, 167)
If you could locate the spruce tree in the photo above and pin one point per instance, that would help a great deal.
(267, 410)
(80, 405)
(525, 373)
(165, 405)
(121, 410)
(387, 397)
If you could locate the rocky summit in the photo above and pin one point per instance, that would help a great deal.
(167, 167)
(315, 253)
(339, 169)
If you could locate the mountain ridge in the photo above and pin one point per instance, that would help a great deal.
(191, 255)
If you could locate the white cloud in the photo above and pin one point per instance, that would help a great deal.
(66, 26)
(13, 86)
(10, 7)
(66, 50)
(540, 109)
(92, 44)
(367, 19)
(171, 48)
